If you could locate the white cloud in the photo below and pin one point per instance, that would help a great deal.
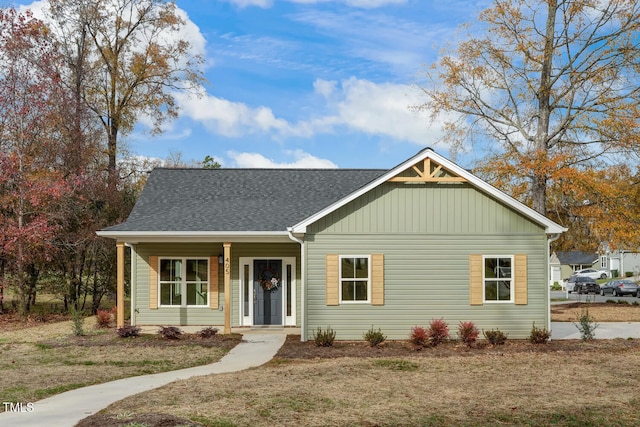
(380, 109)
(227, 118)
(301, 159)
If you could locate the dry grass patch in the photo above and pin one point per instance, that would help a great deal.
(601, 312)
(39, 362)
(493, 388)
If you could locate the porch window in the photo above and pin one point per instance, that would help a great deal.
(354, 278)
(498, 279)
(184, 282)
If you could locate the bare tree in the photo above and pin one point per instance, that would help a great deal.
(549, 85)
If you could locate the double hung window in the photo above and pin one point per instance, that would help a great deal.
(498, 279)
(354, 278)
(184, 281)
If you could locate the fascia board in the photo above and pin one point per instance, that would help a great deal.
(134, 237)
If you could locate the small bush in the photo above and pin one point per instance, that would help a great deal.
(635, 303)
(622, 301)
(556, 287)
(324, 338)
(104, 318)
(128, 331)
(438, 332)
(628, 274)
(208, 332)
(586, 325)
(170, 332)
(375, 338)
(539, 335)
(495, 336)
(610, 301)
(419, 337)
(468, 333)
(77, 322)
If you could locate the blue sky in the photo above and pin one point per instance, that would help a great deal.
(309, 83)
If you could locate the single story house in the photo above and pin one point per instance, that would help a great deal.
(342, 248)
(571, 261)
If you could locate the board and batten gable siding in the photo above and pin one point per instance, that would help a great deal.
(145, 252)
(427, 234)
(424, 208)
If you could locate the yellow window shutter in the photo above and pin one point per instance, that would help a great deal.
(332, 280)
(213, 282)
(475, 279)
(377, 279)
(153, 282)
(520, 279)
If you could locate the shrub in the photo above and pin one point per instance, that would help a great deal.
(539, 335)
(77, 322)
(419, 337)
(495, 336)
(128, 331)
(622, 301)
(324, 338)
(104, 318)
(170, 332)
(610, 301)
(375, 338)
(628, 274)
(556, 287)
(438, 331)
(586, 325)
(208, 332)
(468, 333)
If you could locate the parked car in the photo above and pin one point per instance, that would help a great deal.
(593, 273)
(620, 287)
(570, 283)
(585, 285)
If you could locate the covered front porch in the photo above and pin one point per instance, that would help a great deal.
(234, 284)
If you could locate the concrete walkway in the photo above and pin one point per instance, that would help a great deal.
(67, 409)
(604, 330)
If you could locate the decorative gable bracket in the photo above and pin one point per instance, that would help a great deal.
(427, 171)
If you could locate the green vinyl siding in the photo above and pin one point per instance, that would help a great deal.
(426, 233)
(426, 277)
(202, 315)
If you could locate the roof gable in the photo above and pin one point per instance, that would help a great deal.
(428, 166)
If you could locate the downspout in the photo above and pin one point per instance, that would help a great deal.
(550, 240)
(303, 286)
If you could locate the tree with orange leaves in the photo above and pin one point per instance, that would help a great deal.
(553, 88)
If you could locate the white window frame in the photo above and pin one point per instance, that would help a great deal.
(341, 279)
(183, 282)
(511, 279)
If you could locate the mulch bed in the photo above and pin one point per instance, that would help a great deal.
(295, 349)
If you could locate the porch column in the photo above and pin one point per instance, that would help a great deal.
(227, 287)
(120, 285)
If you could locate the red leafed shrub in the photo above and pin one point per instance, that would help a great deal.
(104, 318)
(438, 331)
(468, 333)
(419, 337)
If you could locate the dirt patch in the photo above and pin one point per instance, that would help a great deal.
(150, 420)
(601, 312)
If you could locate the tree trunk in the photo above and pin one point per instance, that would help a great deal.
(541, 140)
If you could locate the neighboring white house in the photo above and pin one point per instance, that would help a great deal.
(620, 261)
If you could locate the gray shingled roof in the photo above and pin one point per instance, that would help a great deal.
(238, 199)
(577, 258)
